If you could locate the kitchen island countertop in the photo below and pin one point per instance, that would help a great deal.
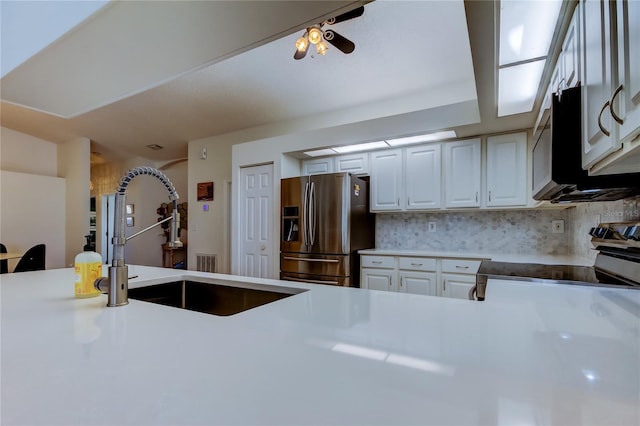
(538, 354)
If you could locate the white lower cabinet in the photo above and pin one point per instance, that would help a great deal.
(457, 285)
(417, 282)
(419, 275)
(458, 277)
(413, 275)
(379, 279)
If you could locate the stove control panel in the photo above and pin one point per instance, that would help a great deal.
(620, 233)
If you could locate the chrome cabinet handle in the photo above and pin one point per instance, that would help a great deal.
(559, 86)
(398, 200)
(602, 129)
(461, 267)
(489, 195)
(376, 262)
(416, 264)
(401, 281)
(613, 112)
(476, 196)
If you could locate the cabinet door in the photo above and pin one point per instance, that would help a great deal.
(379, 279)
(386, 180)
(358, 164)
(417, 283)
(317, 166)
(423, 177)
(596, 89)
(457, 286)
(507, 170)
(570, 56)
(627, 101)
(462, 173)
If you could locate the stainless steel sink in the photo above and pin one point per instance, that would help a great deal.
(216, 297)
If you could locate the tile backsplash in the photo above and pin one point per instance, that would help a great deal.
(487, 231)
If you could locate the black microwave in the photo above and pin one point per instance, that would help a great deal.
(557, 158)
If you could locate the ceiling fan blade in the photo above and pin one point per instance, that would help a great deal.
(343, 44)
(301, 53)
(346, 16)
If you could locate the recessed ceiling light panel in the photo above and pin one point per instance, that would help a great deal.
(422, 138)
(155, 147)
(518, 86)
(320, 152)
(360, 147)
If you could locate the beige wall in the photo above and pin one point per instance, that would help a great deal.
(32, 197)
(26, 154)
(73, 165)
(209, 231)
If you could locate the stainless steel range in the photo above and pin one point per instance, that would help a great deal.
(617, 263)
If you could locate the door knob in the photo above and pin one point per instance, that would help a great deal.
(262, 247)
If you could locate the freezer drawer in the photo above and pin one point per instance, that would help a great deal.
(316, 279)
(315, 264)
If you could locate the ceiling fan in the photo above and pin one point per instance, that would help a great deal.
(316, 35)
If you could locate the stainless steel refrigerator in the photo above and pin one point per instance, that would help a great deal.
(325, 220)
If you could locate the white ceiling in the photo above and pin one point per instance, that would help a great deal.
(181, 82)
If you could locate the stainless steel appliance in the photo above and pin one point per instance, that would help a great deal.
(557, 158)
(617, 264)
(325, 220)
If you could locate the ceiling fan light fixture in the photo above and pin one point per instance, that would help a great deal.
(302, 43)
(322, 48)
(315, 35)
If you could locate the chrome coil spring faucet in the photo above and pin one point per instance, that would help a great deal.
(116, 285)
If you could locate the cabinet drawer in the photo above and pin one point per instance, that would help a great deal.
(460, 266)
(378, 262)
(416, 264)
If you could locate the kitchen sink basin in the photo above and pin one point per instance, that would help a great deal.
(216, 297)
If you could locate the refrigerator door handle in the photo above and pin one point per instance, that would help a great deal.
(304, 259)
(312, 213)
(305, 226)
(285, 277)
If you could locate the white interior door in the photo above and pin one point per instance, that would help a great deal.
(256, 218)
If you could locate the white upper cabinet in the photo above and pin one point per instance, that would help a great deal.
(423, 177)
(317, 166)
(357, 164)
(628, 13)
(462, 162)
(611, 89)
(570, 57)
(597, 137)
(386, 180)
(507, 170)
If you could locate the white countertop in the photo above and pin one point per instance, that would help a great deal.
(530, 354)
(550, 259)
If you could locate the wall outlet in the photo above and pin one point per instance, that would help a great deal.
(557, 226)
(432, 227)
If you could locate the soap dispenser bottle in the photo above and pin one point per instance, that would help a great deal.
(88, 266)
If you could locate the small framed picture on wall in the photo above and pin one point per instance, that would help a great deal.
(205, 191)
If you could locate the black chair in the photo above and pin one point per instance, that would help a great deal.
(4, 264)
(33, 259)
